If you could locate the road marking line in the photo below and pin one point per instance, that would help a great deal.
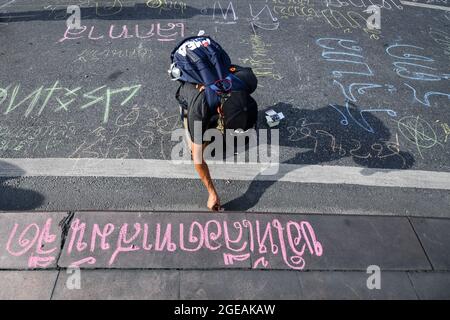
(152, 168)
(423, 5)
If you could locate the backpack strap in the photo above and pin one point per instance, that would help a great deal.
(218, 92)
(183, 103)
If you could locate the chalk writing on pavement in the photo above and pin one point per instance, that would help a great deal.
(292, 241)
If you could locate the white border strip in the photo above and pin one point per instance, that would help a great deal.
(424, 5)
(125, 168)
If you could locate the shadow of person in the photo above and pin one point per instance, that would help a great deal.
(12, 198)
(114, 11)
(328, 135)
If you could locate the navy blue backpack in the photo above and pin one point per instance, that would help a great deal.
(201, 60)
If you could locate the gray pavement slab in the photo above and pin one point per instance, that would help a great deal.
(237, 240)
(156, 240)
(119, 284)
(353, 286)
(434, 234)
(27, 285)
(431, 286)
(30, 240)
(348, 243)
(238, 284)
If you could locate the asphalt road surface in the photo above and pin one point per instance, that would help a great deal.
(86, 125)
(373, 101)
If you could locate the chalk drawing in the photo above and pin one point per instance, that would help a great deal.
(224, 15)
(110, 9)
(402, 67)
(442, 38)
(7, 4)
(359, 119)
(445, 127)
(353, 57)
(167, 5)
(350, 59)
(27, 139)
(346, 52)
(361, 89)
(385, 4)
(131, 135)
(315, 135)
(31, 240)
(291, 241)
(260, 61)
(162, 32)
(426, 98)
(419, 132)
(342, 19)
(65, 99)
(264, 19)
(139, 53)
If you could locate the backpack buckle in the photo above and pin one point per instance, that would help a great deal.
(174, 72)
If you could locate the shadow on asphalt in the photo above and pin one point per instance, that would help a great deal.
(12, 198)
(328, 134)
(119, 12)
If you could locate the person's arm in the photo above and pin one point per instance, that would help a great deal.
(203, 171)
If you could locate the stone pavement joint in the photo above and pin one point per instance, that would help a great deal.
(222, 284)
(155, 240)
